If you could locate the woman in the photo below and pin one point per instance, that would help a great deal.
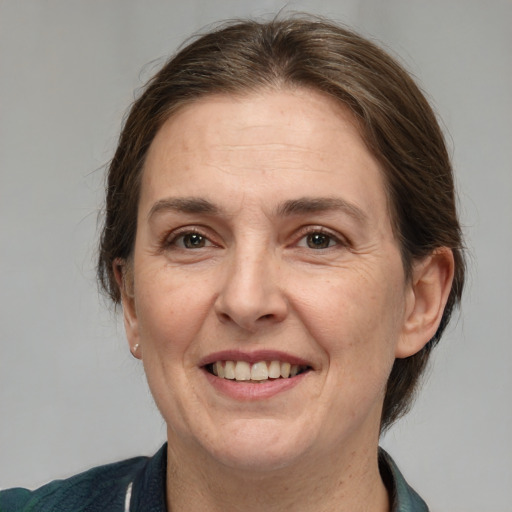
(282, 235)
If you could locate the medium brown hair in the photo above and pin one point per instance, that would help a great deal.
(395, 119)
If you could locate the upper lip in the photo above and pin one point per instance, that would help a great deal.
(253, 357)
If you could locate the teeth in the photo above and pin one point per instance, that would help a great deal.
(285, 370)
(218, 369)
(242, 370)
(274, 370)
(260, 371)
(229, 370)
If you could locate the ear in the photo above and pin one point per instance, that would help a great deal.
(428, 292)
(123, 273)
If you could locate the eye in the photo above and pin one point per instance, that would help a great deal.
(318, 240)
(190, 240)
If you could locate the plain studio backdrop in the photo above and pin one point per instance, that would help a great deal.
(71, 396)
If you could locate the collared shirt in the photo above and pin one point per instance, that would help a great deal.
(138, 485)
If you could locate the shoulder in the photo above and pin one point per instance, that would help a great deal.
(100, 488)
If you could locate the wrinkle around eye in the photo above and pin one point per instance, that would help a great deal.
(174, 250)
(187, 242)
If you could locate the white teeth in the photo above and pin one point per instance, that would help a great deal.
(259, 371)
(274, 370)
(218, 369)
(242, 370)
(229, 370)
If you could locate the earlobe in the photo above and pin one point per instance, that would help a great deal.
(430, 287)
(124, 278)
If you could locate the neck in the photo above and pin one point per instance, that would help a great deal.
(344, 482)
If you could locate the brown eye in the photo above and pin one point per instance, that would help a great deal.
(193, 241)
(319, 240)
(186, 239)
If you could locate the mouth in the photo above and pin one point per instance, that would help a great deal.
(257, 372)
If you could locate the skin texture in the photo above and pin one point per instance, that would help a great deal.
(256, 177)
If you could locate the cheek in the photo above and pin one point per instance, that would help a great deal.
(355, 318)
(170, 313)
(170, 309)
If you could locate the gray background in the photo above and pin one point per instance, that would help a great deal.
(70, 394)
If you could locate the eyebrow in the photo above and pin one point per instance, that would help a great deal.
(306, 205)
(184, 205)
(300, 206)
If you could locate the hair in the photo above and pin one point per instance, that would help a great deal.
(395, 119)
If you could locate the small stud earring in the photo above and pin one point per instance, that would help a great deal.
(134, 350)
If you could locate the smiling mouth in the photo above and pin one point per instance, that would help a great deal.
(260, 371)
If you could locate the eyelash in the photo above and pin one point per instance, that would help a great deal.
(170, 241)
(308, 231)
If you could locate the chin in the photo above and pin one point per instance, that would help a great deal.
(258, 445)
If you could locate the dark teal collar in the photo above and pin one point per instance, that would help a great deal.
(138, 485)
(148, 488)
(403, 497)
(148, 491)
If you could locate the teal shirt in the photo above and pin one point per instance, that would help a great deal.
(138, 485)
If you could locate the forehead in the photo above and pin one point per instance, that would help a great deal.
(297, 117)
(286, 141)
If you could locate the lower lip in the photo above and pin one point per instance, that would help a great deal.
(244, 390)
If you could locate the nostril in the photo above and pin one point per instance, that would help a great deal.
(224, 317)
(250, 311)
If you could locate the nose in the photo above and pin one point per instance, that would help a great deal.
(251, 294)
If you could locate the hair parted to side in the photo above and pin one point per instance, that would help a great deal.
(396, 122)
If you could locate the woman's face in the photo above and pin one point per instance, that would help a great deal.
(264, 246)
